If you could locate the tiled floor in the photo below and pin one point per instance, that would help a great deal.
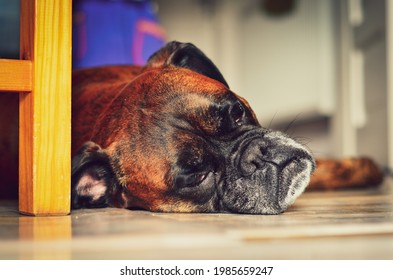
(334, 225)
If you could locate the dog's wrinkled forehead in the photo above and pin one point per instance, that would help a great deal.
(193, 99)
(212, 109)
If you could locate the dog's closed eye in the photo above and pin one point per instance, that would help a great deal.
(237, 113)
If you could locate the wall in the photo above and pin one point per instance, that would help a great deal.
(361, 122)
(370, 39)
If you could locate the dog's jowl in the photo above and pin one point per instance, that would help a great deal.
(172, 137)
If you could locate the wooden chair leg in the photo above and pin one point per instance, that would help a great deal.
(45, 112)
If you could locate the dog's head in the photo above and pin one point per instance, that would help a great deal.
(177, 139)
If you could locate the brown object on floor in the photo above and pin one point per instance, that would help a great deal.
(347, 173)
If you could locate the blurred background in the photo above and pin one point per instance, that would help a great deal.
(315, 68)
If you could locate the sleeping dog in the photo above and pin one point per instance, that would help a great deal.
(172, 137)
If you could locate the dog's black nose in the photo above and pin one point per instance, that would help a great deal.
(251, 157)
(255, 154)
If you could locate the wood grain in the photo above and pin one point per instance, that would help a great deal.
(45, 112)
(15, 75)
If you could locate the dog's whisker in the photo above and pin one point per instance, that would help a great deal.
(289, 126)
(271, 121)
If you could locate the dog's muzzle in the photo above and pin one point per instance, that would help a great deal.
(266, 173)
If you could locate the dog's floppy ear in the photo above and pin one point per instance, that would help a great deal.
(188, 56)
(91, 177)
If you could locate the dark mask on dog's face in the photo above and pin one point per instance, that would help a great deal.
(176, 139)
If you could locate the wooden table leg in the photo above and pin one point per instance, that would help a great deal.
(45, 112)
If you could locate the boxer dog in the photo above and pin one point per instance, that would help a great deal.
(172, 137)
